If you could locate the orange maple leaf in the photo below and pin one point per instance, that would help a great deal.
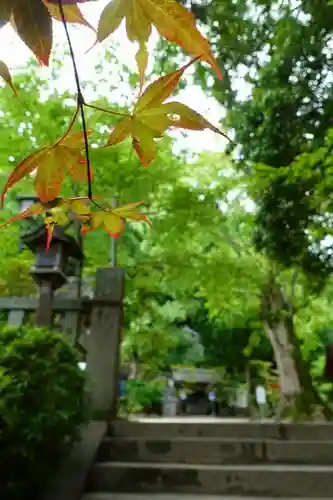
(113, 220)
(33, 24)
(61, 210)
(58, 212)
(151, 117)
(51, 163)
(171, 19)
(32, 21)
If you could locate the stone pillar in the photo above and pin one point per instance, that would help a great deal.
(15, 318)
(103, 343)
(70, 320)
(44, 311)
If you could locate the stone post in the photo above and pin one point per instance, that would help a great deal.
(70, 320)
(16, 318)
(44, 311)
(103, 343)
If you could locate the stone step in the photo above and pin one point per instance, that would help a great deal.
(277, 481)
(215, 451)
(163, 496)
(220, 428)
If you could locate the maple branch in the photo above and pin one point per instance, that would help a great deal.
(69, 127)
(104, 110)
(80, 98)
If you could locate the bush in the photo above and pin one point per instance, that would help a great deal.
(140, 394)
(42, 406)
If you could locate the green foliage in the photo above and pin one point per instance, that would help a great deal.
(279, 103)
(142, 393)
(230, 346)
(42, 406)
(14, 274)
(15, 280)
(196, 267)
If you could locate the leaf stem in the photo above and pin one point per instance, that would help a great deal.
(80, 99)
(104, 110)
(70, 126)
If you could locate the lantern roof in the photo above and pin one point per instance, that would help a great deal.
(37, 238)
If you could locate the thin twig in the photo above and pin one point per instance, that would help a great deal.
(109, 111)
(80, 103)
(69, 127)
(80, 99)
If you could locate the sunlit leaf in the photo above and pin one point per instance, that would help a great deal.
(23, 169)
(120, 132)
(72, 13)
(182, 116)
(32, 22)
(80, 208)
(51, 163)
(151, 117)
(161, 89)
(171, 19)
(129, 212)
(50, 173)
(142, 61)
(143, 142)
(113, 225)
(32, 211)
(75, 139)
(111, 17)
(113, 220)
(58, 212)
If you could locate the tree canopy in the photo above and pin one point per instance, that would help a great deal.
(278, 94)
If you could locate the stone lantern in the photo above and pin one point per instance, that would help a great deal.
(52, 267)
(30, 223)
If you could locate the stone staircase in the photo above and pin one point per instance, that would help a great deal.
(236, 459)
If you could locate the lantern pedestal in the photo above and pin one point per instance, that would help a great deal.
(44, 311)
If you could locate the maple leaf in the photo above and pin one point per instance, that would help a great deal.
(6, 76)
(51, 163)
(76, 206)
(113, 220)
(33, 24)
(71, 11)
(32, 21)
(58, 212)
(171, 19)
(151, 117)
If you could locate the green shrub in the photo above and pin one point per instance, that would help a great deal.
(140, 394)
(42, 406)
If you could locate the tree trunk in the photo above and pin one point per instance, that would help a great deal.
(297, 392)
(290, 384)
